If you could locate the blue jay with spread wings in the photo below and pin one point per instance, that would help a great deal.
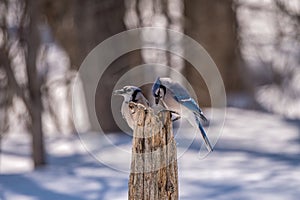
(172, 95)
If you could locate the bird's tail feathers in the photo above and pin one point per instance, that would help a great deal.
(203, 133)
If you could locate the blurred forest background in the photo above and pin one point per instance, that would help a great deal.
(255, 44)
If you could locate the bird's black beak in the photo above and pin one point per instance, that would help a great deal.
(156, 100)
(119, 92)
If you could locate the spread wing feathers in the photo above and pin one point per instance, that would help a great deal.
(206, 140)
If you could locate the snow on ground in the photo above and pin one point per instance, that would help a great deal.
(257, 157)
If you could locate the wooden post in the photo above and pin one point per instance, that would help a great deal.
(154, 172)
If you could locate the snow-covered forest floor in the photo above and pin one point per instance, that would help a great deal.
(256, 157)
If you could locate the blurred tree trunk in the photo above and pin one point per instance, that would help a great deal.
(35, 106)
(29, 93)
(80, 26)
(213, 25)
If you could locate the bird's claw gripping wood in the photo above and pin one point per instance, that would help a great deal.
(134, 106)
(173, 113)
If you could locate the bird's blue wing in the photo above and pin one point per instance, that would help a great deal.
(182, 96)
(190, 103)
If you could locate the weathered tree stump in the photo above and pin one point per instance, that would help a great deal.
(154, 172)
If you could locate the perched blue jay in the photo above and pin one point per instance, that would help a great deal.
(130, 94)
(171, 95)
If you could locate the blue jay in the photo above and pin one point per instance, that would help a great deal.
(130, 94)
(171, 95)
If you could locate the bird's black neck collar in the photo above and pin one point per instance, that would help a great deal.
(163, 88)
(134, 96)
(158, 92)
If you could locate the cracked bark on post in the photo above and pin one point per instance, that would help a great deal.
(154, 172)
